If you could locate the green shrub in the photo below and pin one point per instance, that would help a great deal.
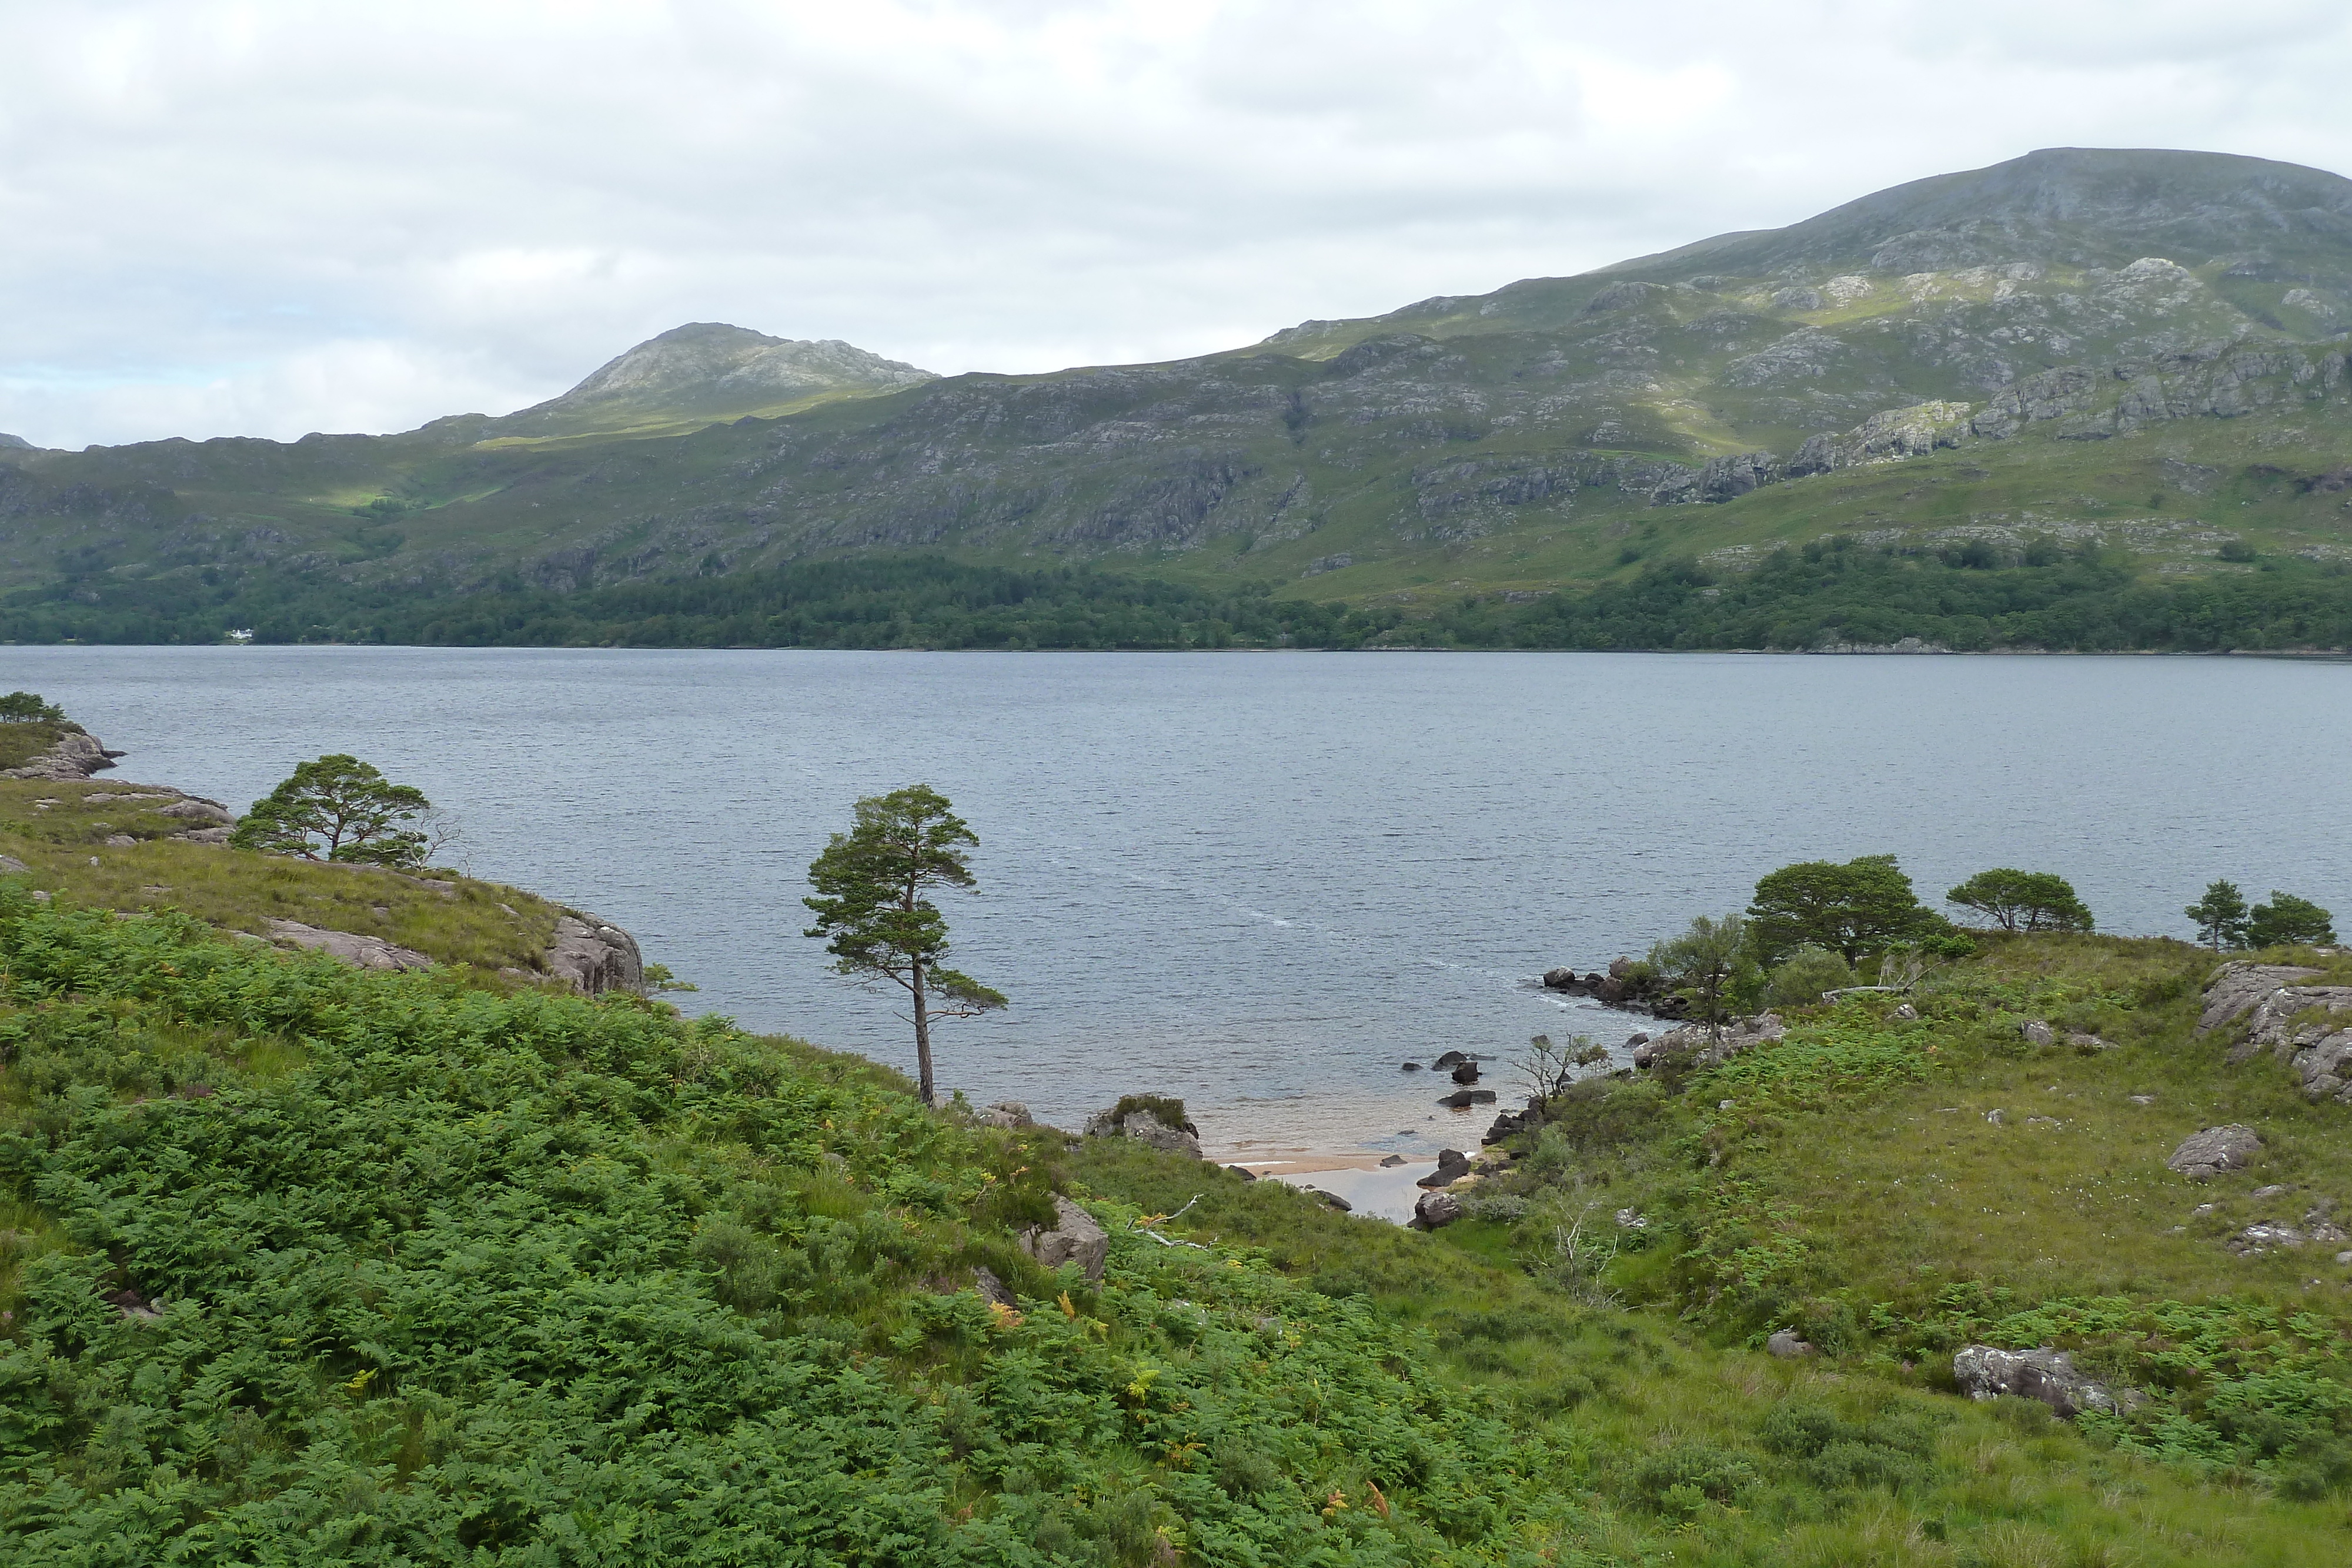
(1800, 980)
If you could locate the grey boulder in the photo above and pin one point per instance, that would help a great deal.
(1147, 1129)
(1786, 1345)
(594, 955)
(1987, 1372)
(2303, 1026)
(74, 756)
(2214, 1150)
(2037, 1033)
(1074, 1238)
(1006, 1114)
(364, 951)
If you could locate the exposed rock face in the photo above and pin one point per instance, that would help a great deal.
(1008, 1114)
(366, 951)
(2214, 1150)
(2308, 1027)
(1146, 1128)
(75, 755)
(1704, 1048)
(595, 955)
(2037, 1033)
(1074, 1238)
(1985, 1372)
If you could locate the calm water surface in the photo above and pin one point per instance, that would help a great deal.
(1263, 881)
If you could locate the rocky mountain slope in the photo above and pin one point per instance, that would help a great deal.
(2144, 348)
(708, 370)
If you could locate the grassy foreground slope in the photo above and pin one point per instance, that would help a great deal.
(304, 1264)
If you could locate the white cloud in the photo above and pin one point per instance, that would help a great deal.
(244, 216)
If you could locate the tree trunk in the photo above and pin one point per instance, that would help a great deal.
(923, 1038)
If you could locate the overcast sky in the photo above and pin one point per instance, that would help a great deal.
(265, 219)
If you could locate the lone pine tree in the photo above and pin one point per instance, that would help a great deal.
(873, 907)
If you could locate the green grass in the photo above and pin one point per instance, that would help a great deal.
(20, 743)
(450, 918)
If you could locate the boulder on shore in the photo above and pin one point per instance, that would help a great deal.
(1074, 1238)
(1435, 1209)
(1988, 1371)
(1009, 1114)
(2214, 1150)
(594, 955)
(1145, 1128)
(1463, 1098)
(1451, 1167)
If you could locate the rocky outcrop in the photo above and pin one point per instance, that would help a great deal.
(1628, 986)
(1009, 1114)
(1704, 1047)
(2214, 1150)
(1075, 1238)
(1145, 1128)
(1987, 1372)
(365, 951)
(2308, 1027)
(75, 755)
(594, 955)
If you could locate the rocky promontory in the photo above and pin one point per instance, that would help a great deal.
(127, 846)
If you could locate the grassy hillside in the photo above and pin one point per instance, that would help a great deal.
(318, 1265)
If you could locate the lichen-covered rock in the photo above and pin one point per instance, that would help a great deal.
(2213, 1150)
(2035, 1031)
(1007, 1113)
(1147, 1129)
(1073, 1238)
(75, 755)
(594, 955)
(2306, 1027)
(1706, 1047)
(365, 951)
(1987, 1372)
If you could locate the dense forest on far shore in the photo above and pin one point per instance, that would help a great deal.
(1830, 593)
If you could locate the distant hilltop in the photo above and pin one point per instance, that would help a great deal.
(2131, 353)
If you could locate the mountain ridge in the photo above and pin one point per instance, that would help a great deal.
(2049, 374)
